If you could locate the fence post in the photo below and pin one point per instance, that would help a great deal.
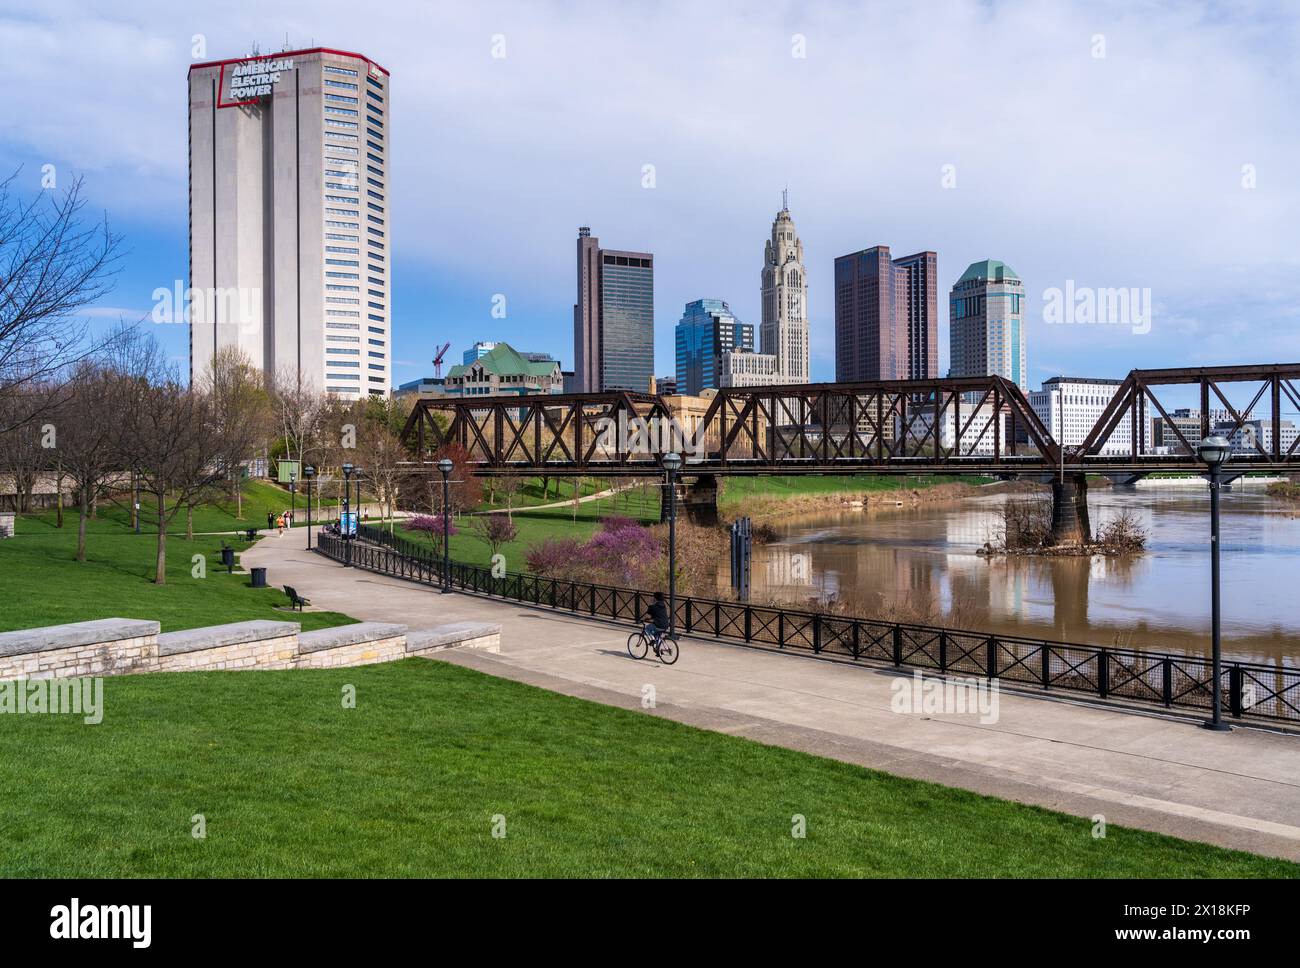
(817, 633)
(636, 598)
(1046, 651)
(780, 628)
(898, 645)
(991, 664)
(689, 617)
(1103, 673)
(1167, 680)
(943, 651)
(1235, 698)
(748, 622)
(857, 641)
(717, 619)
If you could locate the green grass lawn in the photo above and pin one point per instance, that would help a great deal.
(736, 490)
(222, 514)
(290, 783)
(45, 585)
(536, 525)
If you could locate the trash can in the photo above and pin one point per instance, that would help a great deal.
(259, 577)
(228, 557)
(250, 533)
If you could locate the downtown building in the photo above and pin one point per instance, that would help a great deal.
(986, 334)
(783, 332)
(290, 241)
(886, 316)
(613, 319)
(1070, 407)
(707, 332)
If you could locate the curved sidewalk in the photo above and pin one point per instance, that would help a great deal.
(1238, 789)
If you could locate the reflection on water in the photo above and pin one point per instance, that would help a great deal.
(921, 565)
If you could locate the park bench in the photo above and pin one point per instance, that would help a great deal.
(296, 600)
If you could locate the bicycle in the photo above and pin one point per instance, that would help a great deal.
(665, 646)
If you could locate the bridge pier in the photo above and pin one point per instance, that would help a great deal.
(1070, 524)
(697, 500)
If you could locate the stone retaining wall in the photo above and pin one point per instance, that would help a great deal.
(118, 646)
(106, 647)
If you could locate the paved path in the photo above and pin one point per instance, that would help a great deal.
(597, 496)
(1239, 789)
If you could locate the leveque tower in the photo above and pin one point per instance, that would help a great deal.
(783, 332)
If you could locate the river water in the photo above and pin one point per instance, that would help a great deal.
(920, 565)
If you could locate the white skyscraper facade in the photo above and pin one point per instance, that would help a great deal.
(783, 332)
(290, 237)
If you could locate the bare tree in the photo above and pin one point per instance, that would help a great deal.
(380, 453)
(169, 433)
(298, 410)
(241, 408)
(52, 265)
(508, 488)
(22, 457)
(87, 439)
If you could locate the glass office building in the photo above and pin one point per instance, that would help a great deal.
(707, 330)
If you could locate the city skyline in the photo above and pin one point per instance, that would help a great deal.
(473, 221)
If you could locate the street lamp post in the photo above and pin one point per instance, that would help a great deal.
(445, 467)
(343, 531)
(672, 464)
(308, 473)
(1214, 451)
(293, 495)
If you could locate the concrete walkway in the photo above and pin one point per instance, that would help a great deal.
(1162, 773)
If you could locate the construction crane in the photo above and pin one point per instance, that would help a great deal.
(437, 359)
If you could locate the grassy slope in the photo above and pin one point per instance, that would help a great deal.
(736, 490)
(535, 525)
(290, 783)
(45, 585)
(221, 515)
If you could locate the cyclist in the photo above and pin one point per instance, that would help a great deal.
(659, 624)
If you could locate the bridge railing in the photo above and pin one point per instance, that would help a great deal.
(1251, 690)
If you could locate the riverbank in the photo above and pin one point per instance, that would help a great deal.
(767, 498)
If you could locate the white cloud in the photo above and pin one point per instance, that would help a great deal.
(1122, 171)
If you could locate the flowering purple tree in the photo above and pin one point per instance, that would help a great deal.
(622, 552)
(555, 558)
(432, 525)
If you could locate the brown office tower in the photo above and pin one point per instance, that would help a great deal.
(921, 314)
(613, 319)
(886, 324)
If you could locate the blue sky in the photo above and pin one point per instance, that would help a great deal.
(1167, 164)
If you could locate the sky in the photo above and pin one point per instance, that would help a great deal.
(1138, 145)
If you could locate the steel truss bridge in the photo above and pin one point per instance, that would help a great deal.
(970, 425)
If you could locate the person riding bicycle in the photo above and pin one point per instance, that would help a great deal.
(658, 616)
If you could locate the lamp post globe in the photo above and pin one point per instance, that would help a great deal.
(1214, 452)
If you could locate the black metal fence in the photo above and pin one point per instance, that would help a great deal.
(1250, 690)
